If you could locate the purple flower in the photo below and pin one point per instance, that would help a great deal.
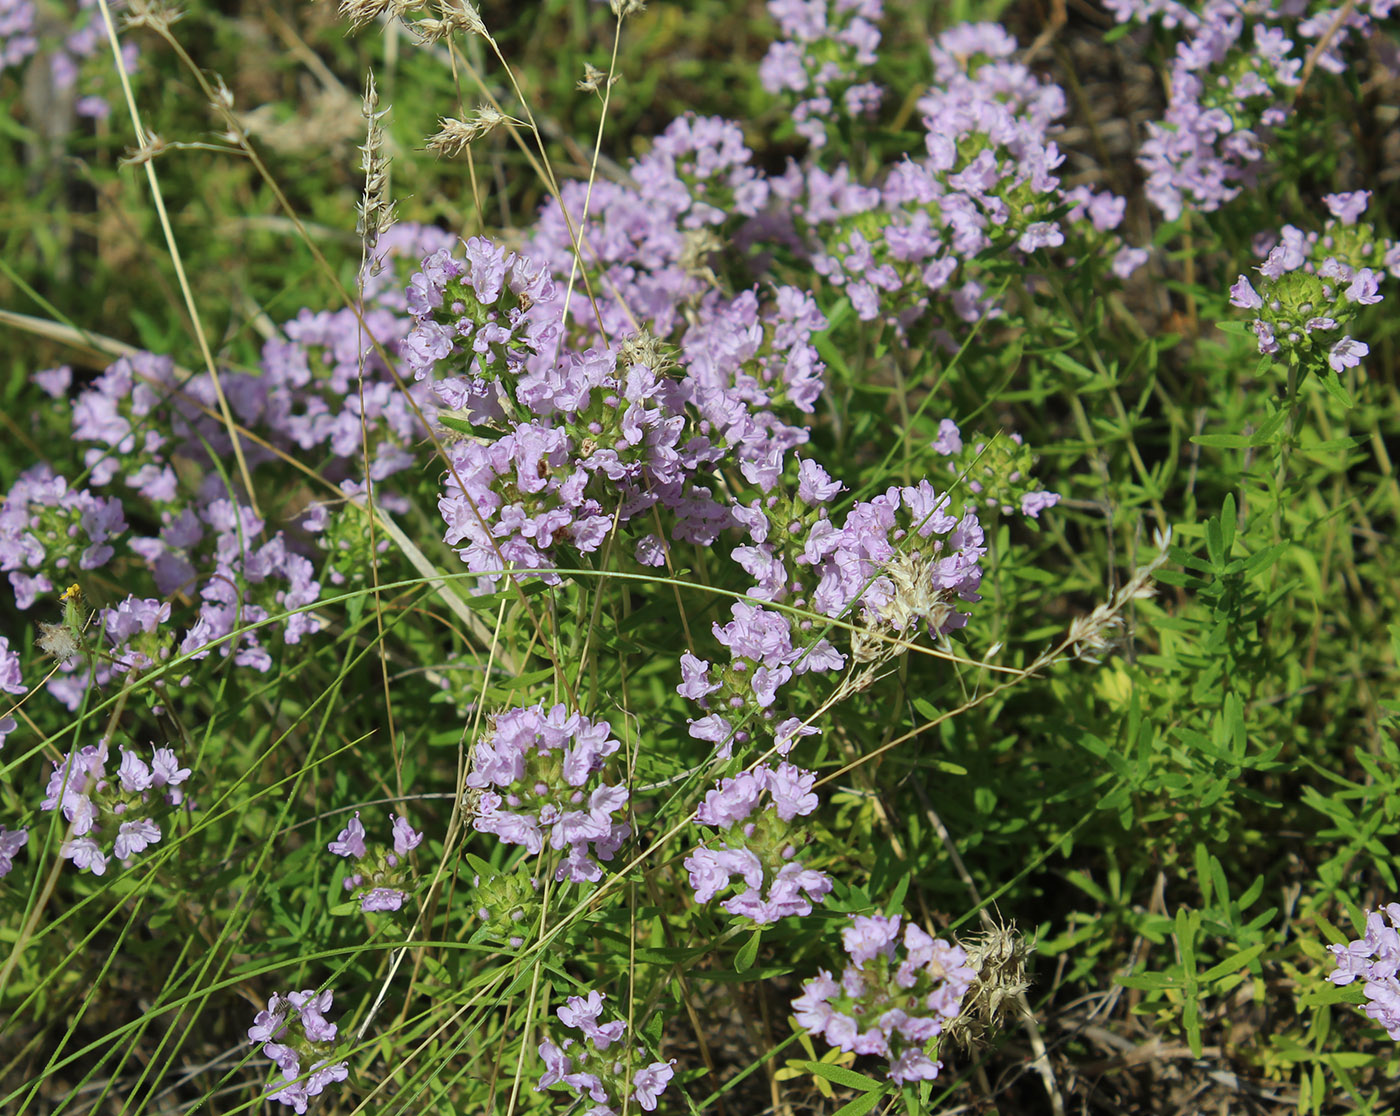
(814, 485)
(1033, 503)
(380, 880)
(10, 680)
(406, 839)
(1375, 959)
(54, 382)
(86, 854)
(315, 1035)
(695, 678)
(167, 772)
(1348, 208)
(1364, 288)
(531, 767)
(755, 810)
(649, 1081)
(134, 837)
(586, 1070)
(949, 440)
(1040, 234)
(583, 1013)
(1243, 295)
(11, 841)
(1347, 353)
(382, 899)
(886, 1005)
(351, 840)
(133, 774)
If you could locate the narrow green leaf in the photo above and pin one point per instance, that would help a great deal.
(843, 1076)
(744, 959)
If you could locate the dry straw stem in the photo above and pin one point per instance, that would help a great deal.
(578, 238)
(174, 249)
(375, 216)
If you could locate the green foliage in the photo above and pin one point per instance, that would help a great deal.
(1184, 807)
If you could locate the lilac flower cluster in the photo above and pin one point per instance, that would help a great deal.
(124, 809)
(295, 1034)
(899, 561)
(587, 1070)
(827, 48)
(569, 443)
(379, 881)
(754, 812)
(1312, 286)
(18, 32)
(910, 250)
(11, 682)
(511, 502)
(11, 841)
(1227, 96)
(145, 435)
(49, 531)
(998, 475)
(1231, 86)
(646, 243)
(1375, 960)
(532, 767)
(566, 445)
(885, 1004)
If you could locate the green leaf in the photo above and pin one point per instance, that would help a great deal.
(744, 959)
(1332, 384)
(843, 1076)
(861, 1105)
(1222, 441)
(1233, 963)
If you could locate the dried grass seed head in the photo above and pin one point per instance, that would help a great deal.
(999, 955)
(361, 12)
(455, 136)
(594, 79)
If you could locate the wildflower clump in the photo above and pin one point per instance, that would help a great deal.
(828, 47)
(1314, 285)
(885, 1004)
(1233, 84)
(381, 880)
(1375, 960)
(587, 1069)
(754, 812)
(925, 247)
(296, 1035)
(49, 530)
(113, 816)
(532, 768)
(899, 562)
